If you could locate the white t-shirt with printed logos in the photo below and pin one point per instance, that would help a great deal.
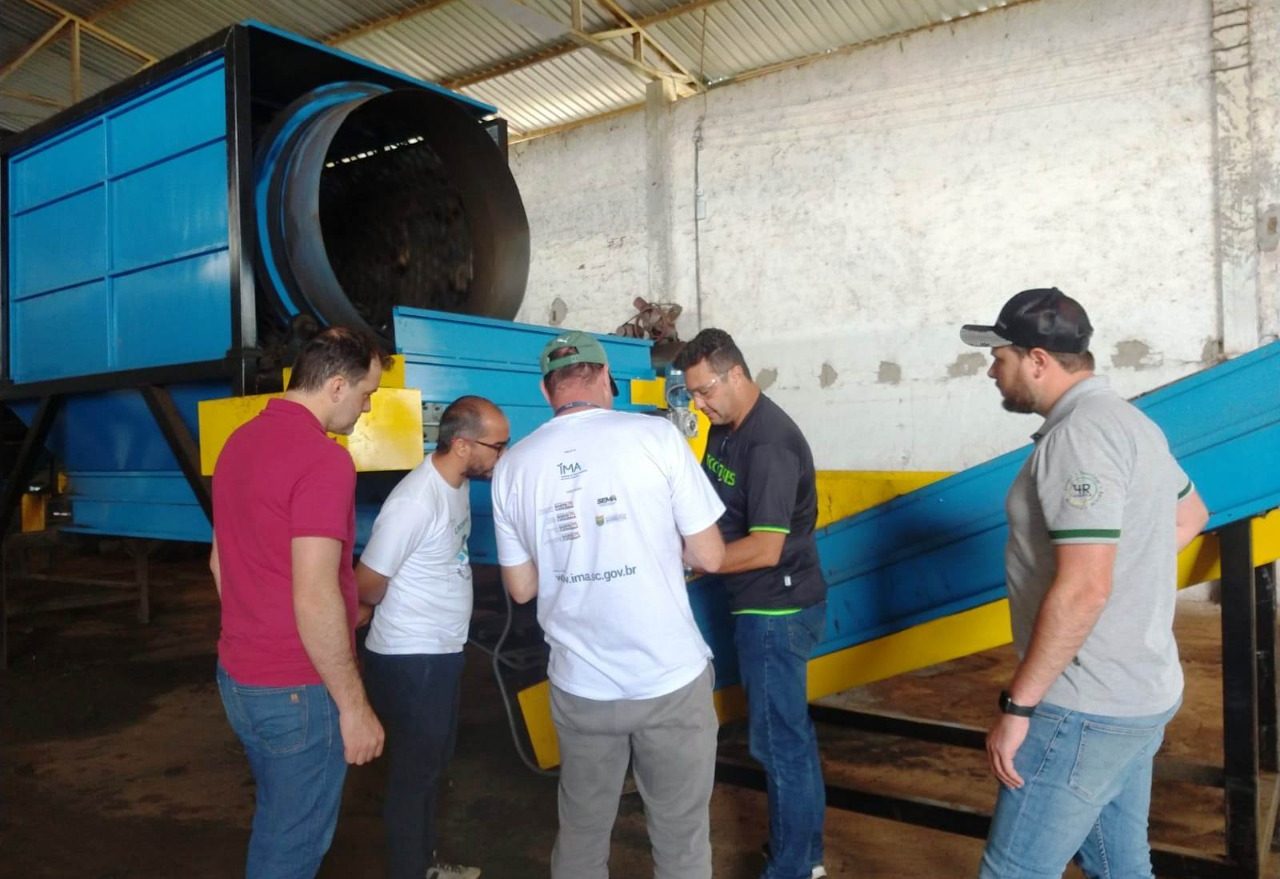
(598, 500)
(419, 540)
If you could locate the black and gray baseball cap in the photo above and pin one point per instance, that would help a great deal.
(1041, 318)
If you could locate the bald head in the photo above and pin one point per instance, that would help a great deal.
(467, 417)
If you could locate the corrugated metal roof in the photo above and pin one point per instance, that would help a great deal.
(576, 86)
(520, 56)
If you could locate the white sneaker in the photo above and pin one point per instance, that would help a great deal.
(819, 871)
(454, 871)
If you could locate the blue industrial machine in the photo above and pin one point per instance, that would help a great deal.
(174, 238)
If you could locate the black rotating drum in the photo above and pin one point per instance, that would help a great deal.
(367, 198)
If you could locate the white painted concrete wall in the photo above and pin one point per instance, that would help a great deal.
(584, 193)
(859, 209)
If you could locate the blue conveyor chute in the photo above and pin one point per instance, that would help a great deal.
(940, 549)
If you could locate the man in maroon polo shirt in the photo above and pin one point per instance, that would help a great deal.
(284, 527)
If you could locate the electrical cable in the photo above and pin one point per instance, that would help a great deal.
(506, 698)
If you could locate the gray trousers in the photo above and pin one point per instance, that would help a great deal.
(671, 744)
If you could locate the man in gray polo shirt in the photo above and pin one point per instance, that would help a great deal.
(1097, 515)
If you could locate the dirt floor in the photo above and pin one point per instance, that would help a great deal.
(116, 760)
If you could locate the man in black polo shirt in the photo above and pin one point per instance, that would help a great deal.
(761, 467)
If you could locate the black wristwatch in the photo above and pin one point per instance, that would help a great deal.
(1008, 706)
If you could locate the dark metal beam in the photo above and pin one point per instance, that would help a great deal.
(1240, 696)
(382, 22)
(562, 47)
(909, 810)
(181, 443)
(893, 724)
(1265, 633)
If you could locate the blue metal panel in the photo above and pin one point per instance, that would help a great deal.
(170, 209)
(187, 112)
(441, 337)
(147, 520)
(166, 487)
(59, 244)
(153, 504)
(112, 431)
(139, 187)
(1223, 425)
(449, 355)
(60, 334)
(60, 166)
(173, 313)
(115, 431)
(483, 544)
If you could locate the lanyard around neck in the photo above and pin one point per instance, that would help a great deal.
(574, 404)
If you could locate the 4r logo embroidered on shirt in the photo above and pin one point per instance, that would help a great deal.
(1082, 490)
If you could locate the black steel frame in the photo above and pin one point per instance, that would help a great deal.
(181, 443)
(1248, 776)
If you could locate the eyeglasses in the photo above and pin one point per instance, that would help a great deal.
(705, 390)
(497, 447)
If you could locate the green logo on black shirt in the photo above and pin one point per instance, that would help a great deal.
(717, 468)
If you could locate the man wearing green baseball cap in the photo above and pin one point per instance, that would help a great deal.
(596, 513)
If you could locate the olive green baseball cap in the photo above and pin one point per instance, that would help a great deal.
(586, 349)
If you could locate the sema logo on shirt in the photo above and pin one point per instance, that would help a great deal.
(1082, 490)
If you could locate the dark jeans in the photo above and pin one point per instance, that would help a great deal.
(294, 745)
(416, 698)
(773, 656)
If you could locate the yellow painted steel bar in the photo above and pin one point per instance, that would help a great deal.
(388, 437)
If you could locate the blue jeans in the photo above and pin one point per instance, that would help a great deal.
(773, 655)
(1085, 796)
(416, 698)
(294, 745)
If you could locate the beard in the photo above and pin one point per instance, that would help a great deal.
(1018, 401)
(478, 472)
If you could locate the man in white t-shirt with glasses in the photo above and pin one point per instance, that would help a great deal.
(416, 570)
(596, 514)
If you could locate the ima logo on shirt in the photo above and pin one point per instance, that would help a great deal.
(1082, 490)
(570, 470)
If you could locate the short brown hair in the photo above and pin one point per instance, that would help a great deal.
(335, 351)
